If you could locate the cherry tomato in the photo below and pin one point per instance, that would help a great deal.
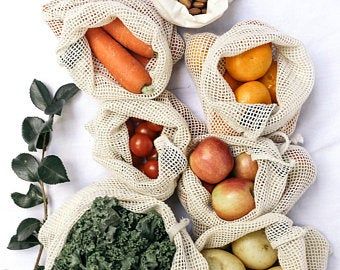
(208, 186)
(136, 121)
(140, 145)
(144, 129)
(130, 126)
(153, 155)
(151, 169)
(154, 127)
(137, 161)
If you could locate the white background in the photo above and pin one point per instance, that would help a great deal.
(28, 51)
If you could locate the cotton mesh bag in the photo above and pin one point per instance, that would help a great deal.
(55, 230)
(69, 21)
(295, 80)
(284, 173)
(301, 248)
(111, 143)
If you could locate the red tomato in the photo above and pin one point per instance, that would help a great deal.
(153, 155)
(154, 127)
(144, 129)
(136, 121)
(151, 169)
(130, 126)
(140, 145)
(137, 161)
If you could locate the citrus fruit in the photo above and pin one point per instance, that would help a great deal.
(250, 65)
(231, 81)
(253, 93)
(269, 80)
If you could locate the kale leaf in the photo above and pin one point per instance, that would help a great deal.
(110, 237)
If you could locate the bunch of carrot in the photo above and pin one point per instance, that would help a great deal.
(123, 54)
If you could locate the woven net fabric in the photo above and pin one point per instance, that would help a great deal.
(54, 232)
(69, 21)
(300, 248)
(295, 80)
(111, 142)
(285, 172)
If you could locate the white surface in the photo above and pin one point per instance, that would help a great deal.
(27, 52)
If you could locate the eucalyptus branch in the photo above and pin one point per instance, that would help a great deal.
(48, 170)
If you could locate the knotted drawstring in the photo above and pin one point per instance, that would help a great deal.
(175, 229)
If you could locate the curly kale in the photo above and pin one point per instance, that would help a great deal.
(110, 237)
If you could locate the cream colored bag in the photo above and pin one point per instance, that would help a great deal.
(205, 59)
(54, 232)
(298, 248)
(176, 13)
(69, 20)
(111, 143)
(285, 172)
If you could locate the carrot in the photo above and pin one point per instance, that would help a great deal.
(124, 36)
(128, 72)
(143, 60)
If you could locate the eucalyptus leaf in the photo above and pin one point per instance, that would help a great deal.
(26, 167)
(15, 244)
(31, 130)
(55, 107)
(28, 227)
(40, 95)
(33, 197)
(52, 171)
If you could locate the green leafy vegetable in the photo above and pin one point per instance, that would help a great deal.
(109, 237)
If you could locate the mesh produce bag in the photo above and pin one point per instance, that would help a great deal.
(205, 59)
(54, 232)
(176, 13)
(111, 143)
(285, 172)
(299, 248)
(69, 21)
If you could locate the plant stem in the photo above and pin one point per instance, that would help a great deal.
(45, 201)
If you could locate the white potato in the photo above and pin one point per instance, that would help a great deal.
(255, 251)
(222, 260)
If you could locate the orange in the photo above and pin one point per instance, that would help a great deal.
(250, 65)
(269, 80)
(253, 93)
(231, 81)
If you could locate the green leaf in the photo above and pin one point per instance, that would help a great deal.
(52, 171)
(31, 130)
(40, 267)
(64, 93)
(15, 244)
(26, 167)
(33, 197)
(40, 95)
(43, 142)
(55, 107)
(27, 227)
